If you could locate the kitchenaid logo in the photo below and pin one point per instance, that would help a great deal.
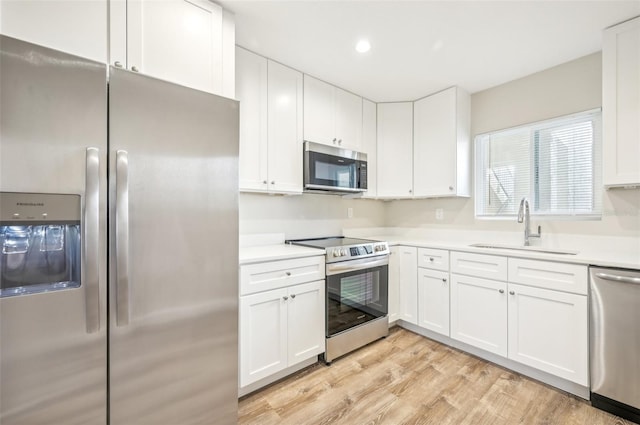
(30, 204)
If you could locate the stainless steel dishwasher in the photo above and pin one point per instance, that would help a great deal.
(615, 341)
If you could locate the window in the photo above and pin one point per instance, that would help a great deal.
(554, 163)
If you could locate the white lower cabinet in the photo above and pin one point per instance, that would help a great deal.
(533, 312)
(408, 263)
(479, 313)
(393, 311)
(548, 330)
(433, 300)
(280, 328)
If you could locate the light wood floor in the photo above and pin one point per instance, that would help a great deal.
(408, 379)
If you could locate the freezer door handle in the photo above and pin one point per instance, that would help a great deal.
(616, 278)
(91, 236)
(122, 238)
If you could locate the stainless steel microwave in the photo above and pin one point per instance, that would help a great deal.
(330, 169)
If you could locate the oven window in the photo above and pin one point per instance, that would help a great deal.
(329, 170)
(355, 298)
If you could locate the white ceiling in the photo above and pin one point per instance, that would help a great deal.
(420, 47)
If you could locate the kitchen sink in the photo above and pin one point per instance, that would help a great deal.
(523, 248)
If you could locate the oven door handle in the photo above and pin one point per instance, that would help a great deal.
(355, 265)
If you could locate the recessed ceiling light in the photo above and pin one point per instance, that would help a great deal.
(363, 46)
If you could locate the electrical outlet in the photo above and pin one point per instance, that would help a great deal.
(439, 214)
(350, 212)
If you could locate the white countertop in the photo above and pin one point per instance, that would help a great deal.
(605, 256)
(274, 252)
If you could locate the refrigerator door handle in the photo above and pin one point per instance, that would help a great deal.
(91, 236)
(122, 238)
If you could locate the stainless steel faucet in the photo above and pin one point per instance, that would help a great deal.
(523, 215)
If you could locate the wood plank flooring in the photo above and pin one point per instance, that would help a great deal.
(408, 379)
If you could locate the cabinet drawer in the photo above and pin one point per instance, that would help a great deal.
(437, 259)
(277, 274)
(479, 265)
(545, 274)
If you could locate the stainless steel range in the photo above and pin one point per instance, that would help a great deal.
(357, 277)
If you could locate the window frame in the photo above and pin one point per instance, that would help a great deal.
(480, 161)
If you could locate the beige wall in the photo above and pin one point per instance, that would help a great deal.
(571, 87)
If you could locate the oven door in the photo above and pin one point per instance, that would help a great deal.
(357, 292)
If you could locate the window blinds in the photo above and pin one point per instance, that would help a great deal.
(555, 163)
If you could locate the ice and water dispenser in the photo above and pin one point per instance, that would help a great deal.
(41, 242)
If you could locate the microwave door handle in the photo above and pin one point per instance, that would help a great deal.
(91, 235)
(122, 238)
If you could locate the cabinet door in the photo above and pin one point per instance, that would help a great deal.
(263, 335)
(285, 129)
(176, 40)
(394, 284)
(306, 322)
(71, 26)
(319, 124)
(395, 150)
(251, 91)
(479, 313)
(548, 331)
(408, 284)
(621, 104)
(348, 119)
(433, 300)
(369, 141)
(441, 144)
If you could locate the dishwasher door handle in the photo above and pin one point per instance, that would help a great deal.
(616, 278)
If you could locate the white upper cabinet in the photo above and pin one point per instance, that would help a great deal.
(185, 42)
(285, 129)
(441, 145)
(332, 116)
(621, 104)
(76, 27)
(270, 96)
(251, 91)
(395, 150)
(369, 141)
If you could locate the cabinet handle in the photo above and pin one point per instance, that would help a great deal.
(501, 291)
(264, 182)
(431, 259)
(444, 279)
(450, 187)
(273, 182)
(334, 140)
(117, 64)
(340, 141)
(512, 292)
(135, 69)
(287, 273)
(293, 296)
(285, 298)
(410, 191)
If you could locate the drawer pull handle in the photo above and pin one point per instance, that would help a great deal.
(444, 279)
(288, 273)
(293, 296)
(285, 298)
(512, 292)
(501, 291)
(431, 259)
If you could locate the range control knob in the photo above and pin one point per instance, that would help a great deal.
(336, 252)
(344, 251)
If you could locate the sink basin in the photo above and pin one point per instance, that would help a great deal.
(523, 248)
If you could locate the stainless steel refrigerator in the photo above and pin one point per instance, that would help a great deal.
(119, 234)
